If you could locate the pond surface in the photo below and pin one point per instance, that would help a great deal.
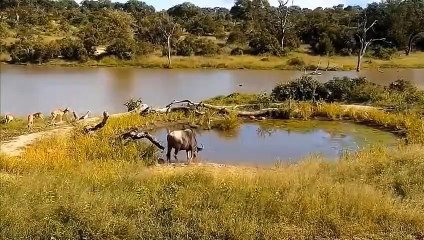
(271, 141)
(26, 89)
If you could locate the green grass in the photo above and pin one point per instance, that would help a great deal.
(233, 99)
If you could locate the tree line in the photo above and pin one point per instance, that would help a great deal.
(249, 27)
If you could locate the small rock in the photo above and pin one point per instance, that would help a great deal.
(252, 117)
(262, 118)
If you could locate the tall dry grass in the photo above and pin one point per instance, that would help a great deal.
(257, 62)
(94, 186)
(372, 194)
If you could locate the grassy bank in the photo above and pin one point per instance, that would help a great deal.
(96, 186)
(373, 194)
(255, 62)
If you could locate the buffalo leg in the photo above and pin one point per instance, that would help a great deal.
(168, 155)
(175, 155)
(189, 156)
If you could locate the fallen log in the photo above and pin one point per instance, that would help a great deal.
(195, 107)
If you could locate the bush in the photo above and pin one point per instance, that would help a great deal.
(33, 51)
(296, 61)
(192, 46)
(122, 48)
(324, 46)
(402, 86)
(265, 43)
(406, 92)
(187, 46)
(4, 30)
(133, 104)
(304, 88)
(237, 51)
(383, 53)
(340, 88)
(230, 122)
(206, 47)
(71, 49)
(237, 37)
(145, 48)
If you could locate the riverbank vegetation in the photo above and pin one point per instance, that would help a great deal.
(49, 192)
(104, 33)
(97, 186)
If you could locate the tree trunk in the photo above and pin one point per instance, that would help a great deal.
(169, 51)
(411, 39)
(282, 42)
(358, 66)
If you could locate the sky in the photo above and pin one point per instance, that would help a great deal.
(165, 4)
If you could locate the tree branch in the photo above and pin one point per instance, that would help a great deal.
(99, 125)
(133, 135)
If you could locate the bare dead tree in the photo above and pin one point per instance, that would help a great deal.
(283, 18)
(168, 28)
(364, 42)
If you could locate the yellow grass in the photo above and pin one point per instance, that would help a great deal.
(94, 186)
(259, 62)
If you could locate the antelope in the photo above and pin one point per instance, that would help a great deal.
(38, 115)
(182, 140)
(30, 121)
(8, 118)
(32, 117)
(58, 113)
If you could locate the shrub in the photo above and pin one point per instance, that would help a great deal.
(4, 30)
(133, 104)
(71, 49)
(402, 86)
(145, 48)
(230, 122)
(237, 37)
(265, 43)
(304, 88)
(190, 45)
(366, 92)
(122, 48)
(237, 51)
(206, 47)
(296, 61)
(33, 51)
(383, 53)
(187, 46)
(324, 46)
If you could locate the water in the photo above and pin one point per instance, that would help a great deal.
(26, 89)
(271, 141)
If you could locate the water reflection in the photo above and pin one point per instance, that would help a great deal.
(268, 141)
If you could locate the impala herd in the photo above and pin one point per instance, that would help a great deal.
(56, 117)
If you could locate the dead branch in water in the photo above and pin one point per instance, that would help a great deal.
(196, 107)
(133, 135)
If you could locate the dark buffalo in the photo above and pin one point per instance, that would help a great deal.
(182, 140)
